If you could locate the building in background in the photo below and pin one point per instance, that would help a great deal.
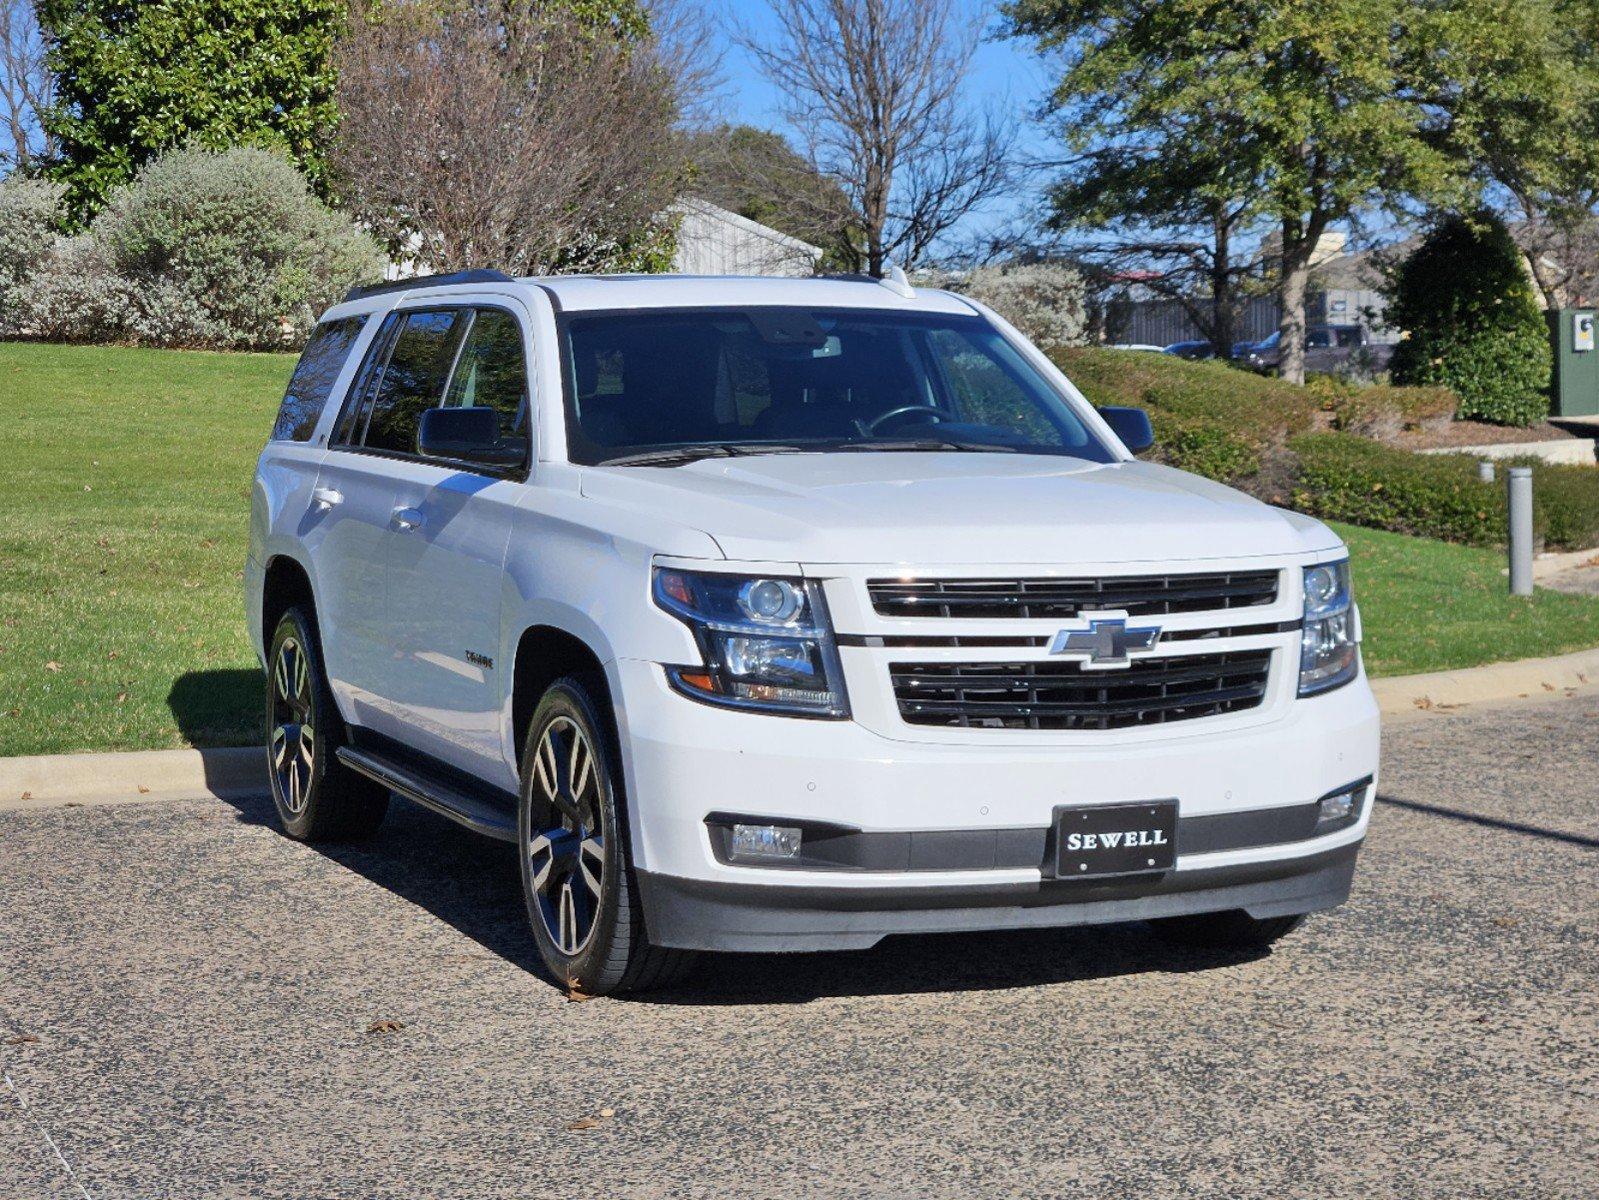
(714, 241)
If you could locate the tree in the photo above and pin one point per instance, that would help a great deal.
(507, 134)
(1321, 104)
(758, 174)
(26, 88)
(1522, 97)
(1472, 322)
(876, 91)
(133, 80)
(1167, 210)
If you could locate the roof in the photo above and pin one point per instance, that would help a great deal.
(577, 293)
(704, 208)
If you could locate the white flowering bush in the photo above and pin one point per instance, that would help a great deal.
(28, 211)
(75, 295)
(1048, 302)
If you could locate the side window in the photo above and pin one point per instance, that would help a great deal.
(314, 377)
(491, 371)
(412, 381)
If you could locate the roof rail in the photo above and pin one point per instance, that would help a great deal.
(426, 281)
(894, 281)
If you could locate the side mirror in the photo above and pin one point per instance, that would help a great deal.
(1131, 425)
(467, 435)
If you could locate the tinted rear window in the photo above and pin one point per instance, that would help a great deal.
(314, 376)
(413, 380)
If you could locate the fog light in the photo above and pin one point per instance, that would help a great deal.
(1336, 808)
(766, 841)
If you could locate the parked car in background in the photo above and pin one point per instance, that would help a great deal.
(1199, 349)
(790, 614)
(1329, 349)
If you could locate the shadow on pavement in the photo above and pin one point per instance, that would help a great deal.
(472, 884)
(1456, 814)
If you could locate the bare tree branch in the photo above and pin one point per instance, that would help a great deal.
(876, 90)
(26, 88)
(507, 135)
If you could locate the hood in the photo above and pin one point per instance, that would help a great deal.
(944, 508)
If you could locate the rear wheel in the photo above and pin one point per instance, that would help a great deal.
(577, 876)
(317, 796)
(1235, 930)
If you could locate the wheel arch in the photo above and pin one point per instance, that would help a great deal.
(545, 653)
(285, 582)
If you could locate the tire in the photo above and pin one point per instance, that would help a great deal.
(577, 872)
(318, 798)
(1235, 930)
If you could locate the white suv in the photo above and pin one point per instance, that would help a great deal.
(768, 614)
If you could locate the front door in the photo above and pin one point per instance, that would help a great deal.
(445, 564)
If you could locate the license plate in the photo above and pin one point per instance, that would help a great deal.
(1115, 839)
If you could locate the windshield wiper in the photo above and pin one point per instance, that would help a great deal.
(924, 445)
(674, 456)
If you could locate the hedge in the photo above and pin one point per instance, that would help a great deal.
(1343, 478)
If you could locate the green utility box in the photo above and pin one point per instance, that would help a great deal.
(1576, 376)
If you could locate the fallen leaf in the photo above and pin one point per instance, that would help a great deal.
(575, 993)
(607, 1112)
(73, 804)
(1423, 702)
(122, 697)
(22, 1039)
(53, 667)
(385, 1027)
(582, 1123)
(1548, 687)
(27, 795)
(143, 790)
(1507, 922)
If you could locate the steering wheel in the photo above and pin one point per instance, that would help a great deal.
(937, 414)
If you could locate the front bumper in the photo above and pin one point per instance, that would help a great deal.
(685, 762)
(699, 915)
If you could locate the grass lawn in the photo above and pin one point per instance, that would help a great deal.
(124, 500)
(124, 511)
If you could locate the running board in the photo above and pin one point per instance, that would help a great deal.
(477, 814)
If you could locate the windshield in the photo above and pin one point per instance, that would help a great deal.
(675, 384)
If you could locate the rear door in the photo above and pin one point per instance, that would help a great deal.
(352, 528)
(445, 568)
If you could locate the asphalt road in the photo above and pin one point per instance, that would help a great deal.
(203, 992)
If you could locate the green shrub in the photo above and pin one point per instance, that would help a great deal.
(1342, 478)
(1205, 448)
(1385, 412)
(29, 209)
(1567, 501)
(1472, 323)
(229, 250)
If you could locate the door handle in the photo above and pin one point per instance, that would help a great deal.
(326, 497)
(408, 518)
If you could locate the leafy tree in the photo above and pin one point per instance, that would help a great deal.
(133, 80)
(1314, 109)
(758, 174)
(1472, 322)
(1522, 96)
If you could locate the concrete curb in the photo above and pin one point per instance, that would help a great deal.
(59, 780)
(63, 780)
(1522, 679)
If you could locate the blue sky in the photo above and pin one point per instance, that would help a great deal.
(1005, 73)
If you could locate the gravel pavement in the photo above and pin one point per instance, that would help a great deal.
(209, 1002)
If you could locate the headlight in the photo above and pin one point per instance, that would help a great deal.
(1330, 645)
(767, 644)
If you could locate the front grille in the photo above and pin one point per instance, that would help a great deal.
(1062, 695)
(1139, 595)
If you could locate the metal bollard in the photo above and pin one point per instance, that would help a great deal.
(1520, 488)
(1485, 470)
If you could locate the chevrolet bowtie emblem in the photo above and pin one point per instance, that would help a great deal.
(1106, 642)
